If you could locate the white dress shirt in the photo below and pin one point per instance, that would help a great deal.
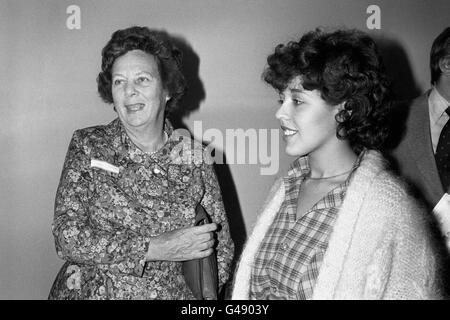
(438, 117)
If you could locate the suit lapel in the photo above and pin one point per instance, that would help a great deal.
(420, 146)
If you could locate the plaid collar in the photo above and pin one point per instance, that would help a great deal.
(300, 168)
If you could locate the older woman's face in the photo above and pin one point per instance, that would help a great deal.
(307, 121)
(137, 90)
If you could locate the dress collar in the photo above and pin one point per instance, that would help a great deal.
(137, 154)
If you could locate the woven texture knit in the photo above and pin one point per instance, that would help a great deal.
(380, 248)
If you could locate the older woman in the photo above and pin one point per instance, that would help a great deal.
(339, 225)
(129, 189)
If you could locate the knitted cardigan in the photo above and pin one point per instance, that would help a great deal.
(380, 247)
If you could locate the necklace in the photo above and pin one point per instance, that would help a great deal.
(329, 177)
(166, 137)
(158, 147)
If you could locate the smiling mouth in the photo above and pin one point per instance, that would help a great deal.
(287, 132)
(134, 107)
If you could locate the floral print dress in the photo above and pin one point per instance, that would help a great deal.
(113, 197)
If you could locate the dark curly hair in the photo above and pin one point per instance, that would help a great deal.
(345, 66)
(439, 49)
(153, 42)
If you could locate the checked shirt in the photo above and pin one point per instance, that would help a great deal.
(290, 256)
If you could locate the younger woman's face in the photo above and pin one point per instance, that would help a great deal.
(307, 121)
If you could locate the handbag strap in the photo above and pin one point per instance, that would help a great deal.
(201, 216)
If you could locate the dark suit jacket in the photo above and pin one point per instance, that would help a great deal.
(414, 155)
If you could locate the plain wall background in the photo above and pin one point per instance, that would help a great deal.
(48, 90)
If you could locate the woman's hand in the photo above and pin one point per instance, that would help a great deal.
(183, 244)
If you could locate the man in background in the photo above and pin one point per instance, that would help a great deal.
(423, 154)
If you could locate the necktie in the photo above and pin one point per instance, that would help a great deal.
(442, 155)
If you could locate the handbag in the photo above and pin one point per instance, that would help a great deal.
(201, 274)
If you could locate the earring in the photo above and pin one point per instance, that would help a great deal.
(344, 115)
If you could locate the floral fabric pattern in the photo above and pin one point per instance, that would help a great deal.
(105, 215)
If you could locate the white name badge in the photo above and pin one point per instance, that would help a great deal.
(442, 213)
(104, 165)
